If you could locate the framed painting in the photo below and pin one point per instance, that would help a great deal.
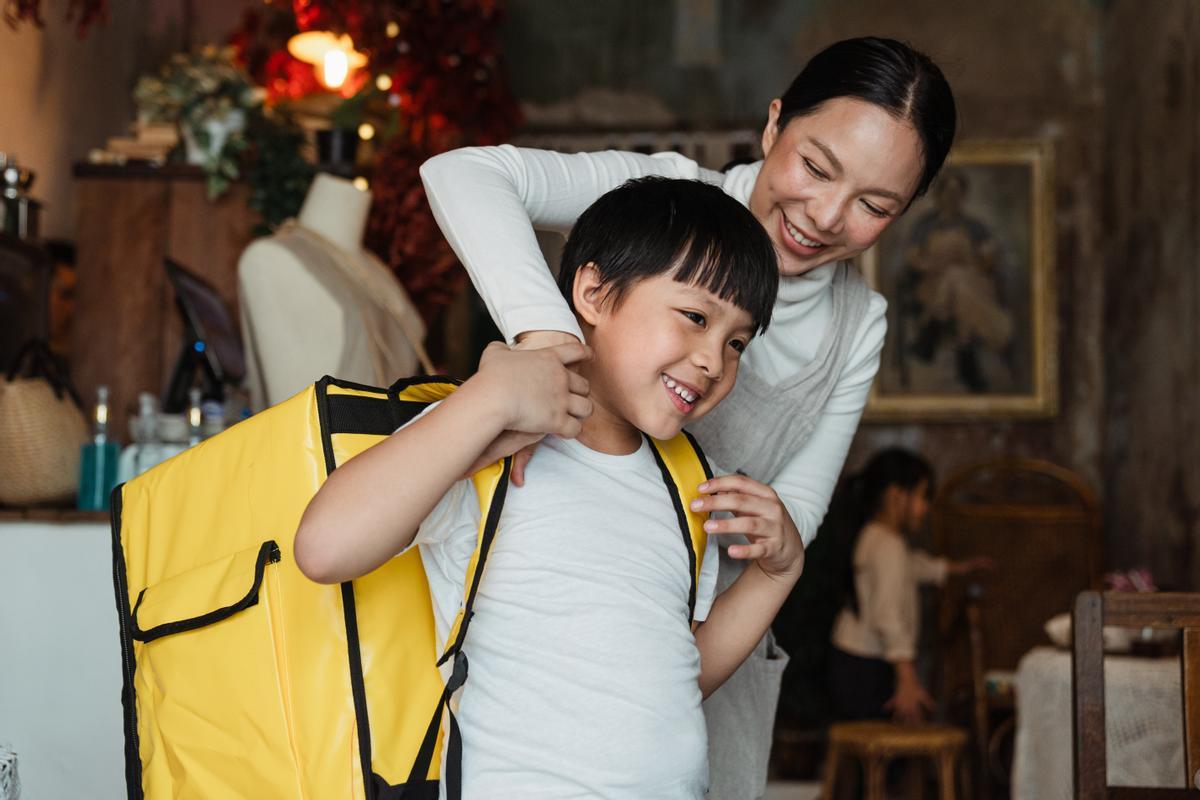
(968, 273)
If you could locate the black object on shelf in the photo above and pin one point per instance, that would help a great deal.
(212, 355)
(337, 149)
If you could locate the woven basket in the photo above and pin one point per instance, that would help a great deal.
(41, 431)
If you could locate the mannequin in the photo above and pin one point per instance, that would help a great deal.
(314, 302)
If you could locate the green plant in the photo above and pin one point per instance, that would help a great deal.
(207, 95)
(276, 171)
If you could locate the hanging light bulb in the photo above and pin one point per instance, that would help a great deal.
(334, 57)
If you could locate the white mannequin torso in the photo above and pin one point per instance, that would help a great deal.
(315, 303)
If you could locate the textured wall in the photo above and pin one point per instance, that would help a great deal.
(1151, 218)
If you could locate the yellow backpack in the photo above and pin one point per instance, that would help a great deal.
(244, 679)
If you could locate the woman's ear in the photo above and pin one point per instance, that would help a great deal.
(771, 131)
(587, 294)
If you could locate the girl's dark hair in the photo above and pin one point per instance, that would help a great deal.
(862, 496)
(889, 74)
(702, 236)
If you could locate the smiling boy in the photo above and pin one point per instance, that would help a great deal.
(586, 677)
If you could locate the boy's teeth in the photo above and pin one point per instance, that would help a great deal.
(799, 237)
(679, 390)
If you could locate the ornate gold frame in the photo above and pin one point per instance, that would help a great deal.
(1043, 401)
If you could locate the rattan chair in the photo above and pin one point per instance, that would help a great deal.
(1040, 524)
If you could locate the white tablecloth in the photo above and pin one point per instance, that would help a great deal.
(60, 660)
(1143, 716)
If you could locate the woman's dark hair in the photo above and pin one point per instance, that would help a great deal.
(702, 236)
(862, 496)
(889, 74)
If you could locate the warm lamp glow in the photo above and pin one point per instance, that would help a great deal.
(333, 56)
(335, 67)
(366, 131)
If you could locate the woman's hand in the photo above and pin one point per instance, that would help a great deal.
(532, 340)
(758, 514)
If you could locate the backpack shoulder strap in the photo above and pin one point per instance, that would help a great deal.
(684, 468)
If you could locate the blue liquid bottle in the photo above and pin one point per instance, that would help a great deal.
(98, 461)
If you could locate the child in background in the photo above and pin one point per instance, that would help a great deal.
(586, 678)
(872, 675)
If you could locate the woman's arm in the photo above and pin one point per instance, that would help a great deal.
(806, 482)
(489, 200)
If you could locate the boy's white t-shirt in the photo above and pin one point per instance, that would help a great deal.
(583, 671)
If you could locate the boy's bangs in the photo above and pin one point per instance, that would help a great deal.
(731, 274)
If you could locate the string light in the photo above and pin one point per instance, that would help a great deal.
(361, 183)
(366, 131)
(383, 82)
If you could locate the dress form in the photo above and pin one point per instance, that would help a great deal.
(315, 303)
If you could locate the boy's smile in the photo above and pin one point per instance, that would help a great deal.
(665, 353)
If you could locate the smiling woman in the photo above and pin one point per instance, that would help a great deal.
(860, 132)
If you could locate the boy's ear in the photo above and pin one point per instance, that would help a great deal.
(588, 293)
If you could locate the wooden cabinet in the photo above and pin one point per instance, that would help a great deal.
(127, 331)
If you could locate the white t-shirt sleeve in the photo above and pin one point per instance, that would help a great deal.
(806, 482)
(489, 200)
(706, 587)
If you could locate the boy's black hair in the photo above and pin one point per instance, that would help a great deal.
(702, 236)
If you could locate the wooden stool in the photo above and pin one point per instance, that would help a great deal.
(877, 743)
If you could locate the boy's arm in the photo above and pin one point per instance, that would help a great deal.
(742, 613)
(370, 508)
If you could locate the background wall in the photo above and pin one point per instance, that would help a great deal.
(1151, 219)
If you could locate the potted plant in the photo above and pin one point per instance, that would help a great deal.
(208, 97)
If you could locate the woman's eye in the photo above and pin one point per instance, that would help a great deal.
(695, 317)
(738, 345)
(816, 171)
(875, 210)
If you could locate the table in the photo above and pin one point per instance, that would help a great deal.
(60, 659)
(1143, 716)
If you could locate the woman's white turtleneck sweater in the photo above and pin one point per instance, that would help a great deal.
(488, 202)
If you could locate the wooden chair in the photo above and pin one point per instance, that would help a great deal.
(1040, 523)
(1092, 612)
(876, 744)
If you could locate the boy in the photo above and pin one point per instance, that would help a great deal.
(586, 678)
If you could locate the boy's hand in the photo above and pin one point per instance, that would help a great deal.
(534, 391)
(532, 340)
(759, 515)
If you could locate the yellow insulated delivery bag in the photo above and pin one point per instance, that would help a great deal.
(244, 679)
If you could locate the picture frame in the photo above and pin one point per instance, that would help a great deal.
(969, 276)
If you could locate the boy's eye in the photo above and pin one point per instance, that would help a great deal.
(738, 345)
(815, 170)
(695, 317)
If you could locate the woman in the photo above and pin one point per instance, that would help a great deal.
(871, 669)
(861, 132)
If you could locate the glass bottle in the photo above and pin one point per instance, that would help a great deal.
(98, 460)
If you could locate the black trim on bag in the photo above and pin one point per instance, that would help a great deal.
(358, 688)
(133, 761)
(268, 553)
(700, 455)
(681, 516)
(485, 545)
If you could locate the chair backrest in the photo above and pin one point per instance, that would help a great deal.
(1040, 523)
(1094, 610)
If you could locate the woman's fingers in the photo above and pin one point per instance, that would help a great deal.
(737, 483)
(735, 502)
(579, 407)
